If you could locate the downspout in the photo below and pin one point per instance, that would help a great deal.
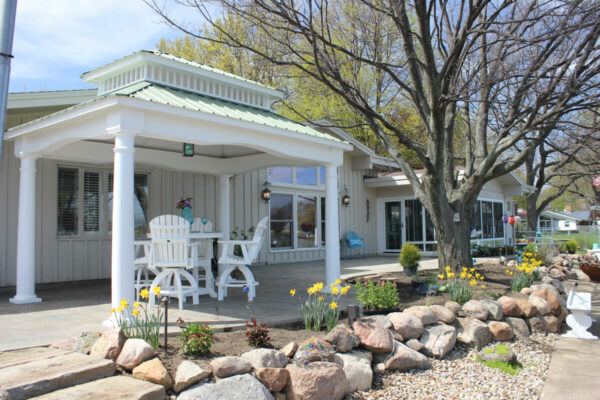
(8, 10)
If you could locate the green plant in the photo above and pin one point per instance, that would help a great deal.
(377, 296)
(321, 308)
(571, 246)
(196, 338)
(139, 322)
(409, 255)
(460, 285)
(512, 369)
(257, 335)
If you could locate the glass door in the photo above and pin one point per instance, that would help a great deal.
(393, 225)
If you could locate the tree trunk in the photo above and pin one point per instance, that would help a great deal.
(532, 215)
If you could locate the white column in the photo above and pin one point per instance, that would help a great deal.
(224, 205)
(26, 234)
(332, 230)
(122, 272)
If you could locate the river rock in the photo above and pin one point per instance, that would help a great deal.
(153, 371)
(402, 358)
(343, 338)
(424, 313)
(313, 349)
(274, 379)
(438, 340)
(473, 332)
(266, 358)
(238, 387)
(133, 353)
(316, 381)
(406, 324)
(188, 373)
(357, 367)
(540, 304)
(475, 309)
(224, 367)
(374, 337)
(109, 345)
(494, 309)
(500, 331)
(518, 326)
(443, 314)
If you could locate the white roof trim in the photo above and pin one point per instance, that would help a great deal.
(23, 100)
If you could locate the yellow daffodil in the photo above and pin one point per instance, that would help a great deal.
(135, 312)
(333, 305)
(472, 270)
(124, 303)
(473, 282)
(470, 276)
(293, 292)
(156, 290)
(483, 286)
(335, 290)
(345, 289)
(463, 275)
(319, 286)
(311, 290)
(136, 304)
(451, 275)
(112, 311)
(441, 276)
(144, 293)
(120, 309)
(320, 298)
(448, 268)
(508, 271)
(338, 281)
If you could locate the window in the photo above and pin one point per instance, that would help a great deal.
(322, 221)
(280, 175)
(301, 176)
(414, 221)
(85, 201)
(487, 219)
(498, 225)
(306, 176)
(307, 221)
(282, 218)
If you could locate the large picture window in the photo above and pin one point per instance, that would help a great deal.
(84, 201)
(487, 219)
(307, 221)
(282, 220)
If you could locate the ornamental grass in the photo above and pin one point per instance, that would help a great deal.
(138, 321)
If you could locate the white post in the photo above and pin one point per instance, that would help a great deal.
(26, 234)
(224, 204)
(122, 272)
(332, 234)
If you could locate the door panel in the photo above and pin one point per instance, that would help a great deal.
(393, 225)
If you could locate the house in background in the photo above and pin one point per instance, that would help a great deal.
(121, 146)
(565, 221)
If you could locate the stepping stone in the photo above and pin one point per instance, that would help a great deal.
(25, 375)
(22, 356)
(114, 388)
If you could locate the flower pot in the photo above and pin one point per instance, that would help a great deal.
(410, 271)
(186, 213)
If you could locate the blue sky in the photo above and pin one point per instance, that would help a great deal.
(57, 40)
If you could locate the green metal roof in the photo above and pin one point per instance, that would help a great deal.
(179, 98)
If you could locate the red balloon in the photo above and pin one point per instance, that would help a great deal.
(511, 220)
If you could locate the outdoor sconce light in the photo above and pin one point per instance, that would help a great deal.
(266, 192)
(188, 150)
(345, 198)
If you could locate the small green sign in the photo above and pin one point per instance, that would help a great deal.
(188, 150)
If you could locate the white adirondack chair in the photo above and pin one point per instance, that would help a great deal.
(205, 255)
(144, 270)
(250, 250)
(173, 254)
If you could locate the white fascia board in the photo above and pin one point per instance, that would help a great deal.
(48, 99)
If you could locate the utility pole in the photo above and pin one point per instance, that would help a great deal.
(8, 11)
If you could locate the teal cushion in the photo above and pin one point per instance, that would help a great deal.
(355, 243)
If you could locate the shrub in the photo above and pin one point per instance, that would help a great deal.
(257, 335)
(409, 255)
(377, 296)
(139, 322)
(196, 338)
(571, 246)
(459, 285)
(321, 308)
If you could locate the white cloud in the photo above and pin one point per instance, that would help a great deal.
(54, 37)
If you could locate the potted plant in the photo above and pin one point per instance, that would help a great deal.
(409, 259)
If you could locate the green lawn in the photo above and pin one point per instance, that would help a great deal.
(584, 239)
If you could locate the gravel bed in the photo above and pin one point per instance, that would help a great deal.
(460, 376)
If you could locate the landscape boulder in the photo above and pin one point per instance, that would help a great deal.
(289, 349)
(266, 358)
(65, 344)
(85, 341)
(239, 387)
(537, 324)
(374, 337)
(109, 345)
(496, 353)
(357, 367)
(453, 306)
(402, 358)
(438, 340)
(424, 313)
(343, 338)
(494, 309)
(414, 344)
(378, 319)
(443, 314)
(501, 331)
(315, 381)
(518, 326)
(224, 367)
(133, 353)
(274, 379)
(475, 309)
(153, 371)
(472, 332)
(540, 304)
(552, 324)
(510, 307)
(313, 349)
(552, 298)
(188, 373)
(527, 309)
(406, 324)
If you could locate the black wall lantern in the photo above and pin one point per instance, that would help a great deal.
(188, 150)
(345, 198)
(266, 192)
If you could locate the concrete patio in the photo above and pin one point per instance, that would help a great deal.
(71, 308)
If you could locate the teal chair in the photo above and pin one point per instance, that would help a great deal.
(353, 242)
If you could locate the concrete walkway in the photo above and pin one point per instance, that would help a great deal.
(69, 309)
(574, 371)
